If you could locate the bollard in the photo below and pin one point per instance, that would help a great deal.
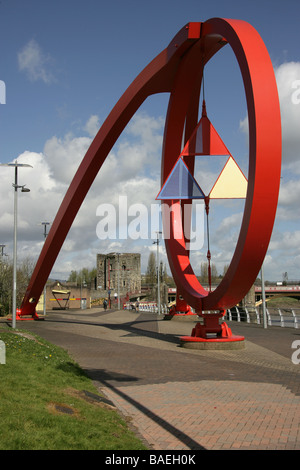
(2, 353)
(257, 316)
(296, 324)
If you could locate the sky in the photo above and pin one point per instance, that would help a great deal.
(66, 63)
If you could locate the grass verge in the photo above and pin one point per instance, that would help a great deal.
(48, 403)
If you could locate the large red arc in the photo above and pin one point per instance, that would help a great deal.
(178, 70)
(264, 169)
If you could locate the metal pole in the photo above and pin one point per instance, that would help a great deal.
(45, 287)
(81, 291)
(158, 284)
(118, 281)
(25, 190)
(14, 300)
(263, 295)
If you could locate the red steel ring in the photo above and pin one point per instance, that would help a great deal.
(264, 161)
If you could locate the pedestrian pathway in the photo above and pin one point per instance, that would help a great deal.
(180, 399)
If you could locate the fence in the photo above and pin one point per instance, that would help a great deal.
(146, 307)
(275, 316)
(283, 317)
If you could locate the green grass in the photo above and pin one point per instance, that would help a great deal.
(284, 301)
(43, 405)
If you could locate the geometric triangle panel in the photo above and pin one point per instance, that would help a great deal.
(205, 140)
(180, 184)
(231, 183)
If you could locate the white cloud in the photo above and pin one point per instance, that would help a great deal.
(34, 63)
(289, 197)
(65, 155)
(286, 241)
(92, 126)
(53, 170)
(286, 75)
(283, 254)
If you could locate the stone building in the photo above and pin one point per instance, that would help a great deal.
(119, 273)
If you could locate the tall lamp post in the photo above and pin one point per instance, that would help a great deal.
(263, 296)
(16, 165)
(157, 262)
(45, 288)
(118, 281)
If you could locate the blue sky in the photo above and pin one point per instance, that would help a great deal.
(66, 63)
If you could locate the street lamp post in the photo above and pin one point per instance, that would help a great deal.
(158, 284)
(118, 281)
(45, 287)
(23, 190)
(263, 296)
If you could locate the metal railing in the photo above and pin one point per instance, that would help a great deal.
(283, 317)
(148, 307)
(275, 317)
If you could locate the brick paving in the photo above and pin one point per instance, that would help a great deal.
(180, 399)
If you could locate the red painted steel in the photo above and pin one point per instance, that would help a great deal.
(157, 77)
(178, 70)
(264, 163)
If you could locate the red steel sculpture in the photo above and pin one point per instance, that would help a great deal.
(178, 69)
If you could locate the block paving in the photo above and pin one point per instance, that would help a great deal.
(180, 399)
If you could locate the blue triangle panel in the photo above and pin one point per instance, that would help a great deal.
(180, 184)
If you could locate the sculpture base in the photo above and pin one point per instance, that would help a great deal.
(34, 316)
(211, 334)
(181, 316)
(231, 342)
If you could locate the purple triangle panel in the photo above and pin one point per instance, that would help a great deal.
(180, 184)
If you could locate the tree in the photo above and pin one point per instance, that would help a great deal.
(164, 275)
(225, 268)
(204, 273)
(6, 276)
(151, 270)
(84, 276)
(73, 276)
(24, 272)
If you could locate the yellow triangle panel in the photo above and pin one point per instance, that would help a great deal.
(231, 183)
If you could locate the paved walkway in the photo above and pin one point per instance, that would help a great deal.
(180, 399)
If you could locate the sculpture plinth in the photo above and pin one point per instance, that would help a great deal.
(212, 334)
